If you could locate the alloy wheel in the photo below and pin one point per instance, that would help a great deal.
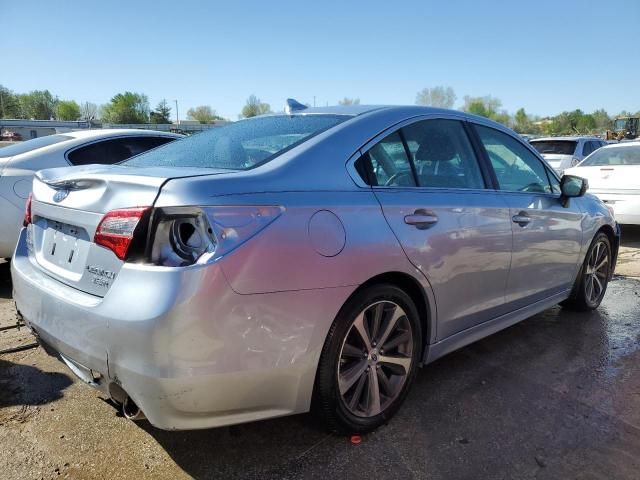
(597, 272)
(375, 359)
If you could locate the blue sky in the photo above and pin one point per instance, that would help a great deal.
(546, 56)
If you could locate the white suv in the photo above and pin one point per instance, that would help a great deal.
(566, 152)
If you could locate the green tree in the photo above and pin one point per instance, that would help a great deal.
(254, 107)
(602, 119)
(9, 104)
(586, 124)
(162, 113)
(522, 122)
(488, 107)
(127, 107)
(203, 114)
(477, 107)
(38, 105)
(442, 97)
(349, 101)
(68, 110)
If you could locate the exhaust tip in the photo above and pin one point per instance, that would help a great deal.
(131, 411)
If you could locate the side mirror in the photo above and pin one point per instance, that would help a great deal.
(572, 186)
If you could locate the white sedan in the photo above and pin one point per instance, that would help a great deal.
(19, 162)
(613, 173)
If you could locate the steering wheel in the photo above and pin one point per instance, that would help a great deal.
(395, 176)
(533, 187)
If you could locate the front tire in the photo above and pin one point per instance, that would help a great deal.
(593, 278)
(368, 361)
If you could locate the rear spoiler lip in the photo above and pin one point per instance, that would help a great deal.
(72, 185)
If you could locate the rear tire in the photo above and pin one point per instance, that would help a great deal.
(593, 278)
(368, 361)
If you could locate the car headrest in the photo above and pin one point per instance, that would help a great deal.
(229, 151)
(436, 146)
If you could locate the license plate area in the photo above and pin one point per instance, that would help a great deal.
(63, 248)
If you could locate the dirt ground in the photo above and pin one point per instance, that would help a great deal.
(556, 396)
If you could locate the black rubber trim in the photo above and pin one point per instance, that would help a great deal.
(489, 175)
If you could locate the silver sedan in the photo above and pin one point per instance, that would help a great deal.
(306, 261)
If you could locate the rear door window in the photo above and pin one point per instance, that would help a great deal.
(587, 148)
(114, 150)
(389, 164)
(555, 147)
(442, 155)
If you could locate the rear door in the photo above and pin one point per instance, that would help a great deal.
(547, 237)
(453, 229)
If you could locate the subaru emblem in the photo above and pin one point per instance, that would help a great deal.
(60, 195)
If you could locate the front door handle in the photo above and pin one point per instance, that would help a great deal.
(521, 219)
(421, 220)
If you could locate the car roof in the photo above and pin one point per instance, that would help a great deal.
(393, 110)
(114, 132)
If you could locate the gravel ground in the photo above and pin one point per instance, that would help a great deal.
(556, 396)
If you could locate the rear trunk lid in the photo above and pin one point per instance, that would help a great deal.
(69, 203)
(621, 179)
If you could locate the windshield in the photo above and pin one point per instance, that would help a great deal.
(557, 147)
(238, 146)
(627, 155)
(29, 145)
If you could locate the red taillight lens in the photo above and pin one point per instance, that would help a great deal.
(115, 230)
(27, 211)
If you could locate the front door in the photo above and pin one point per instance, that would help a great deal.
(547, 236)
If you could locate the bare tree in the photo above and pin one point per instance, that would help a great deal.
(349, 101)
(442, 97)
(89, 111)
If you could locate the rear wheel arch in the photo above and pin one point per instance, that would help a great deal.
(416, 292)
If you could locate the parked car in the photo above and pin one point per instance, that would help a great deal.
(10, 136)
(613, 173)
(566, 152)
(19, 162)
(311, 260)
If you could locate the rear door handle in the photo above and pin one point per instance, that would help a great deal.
(521, 219)
(421, 220)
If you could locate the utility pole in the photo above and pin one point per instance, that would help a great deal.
(177, 116)
(314, 100)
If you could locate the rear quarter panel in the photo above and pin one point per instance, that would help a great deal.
(289, 254)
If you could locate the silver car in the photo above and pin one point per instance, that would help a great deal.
(306, 261)
(566, 152)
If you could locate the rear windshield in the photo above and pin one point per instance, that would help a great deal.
(240, 145)
(557, 147)
(24, 147)
(627, 155)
